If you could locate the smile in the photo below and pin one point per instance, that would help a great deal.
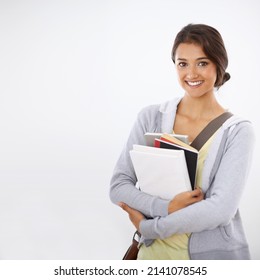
(195, 83)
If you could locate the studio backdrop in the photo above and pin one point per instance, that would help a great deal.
(74, 74)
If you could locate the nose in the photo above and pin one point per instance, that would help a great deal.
(192, 73)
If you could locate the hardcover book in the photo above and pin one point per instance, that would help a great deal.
(151, 136)
(191, 154)
(160, 172)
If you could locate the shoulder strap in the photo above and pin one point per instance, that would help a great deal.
(209, 130)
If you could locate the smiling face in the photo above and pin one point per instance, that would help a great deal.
(197, 74)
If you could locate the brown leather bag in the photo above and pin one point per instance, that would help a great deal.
(132, 251)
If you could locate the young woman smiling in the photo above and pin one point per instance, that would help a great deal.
(204, 223)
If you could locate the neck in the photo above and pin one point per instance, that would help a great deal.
(204, 107)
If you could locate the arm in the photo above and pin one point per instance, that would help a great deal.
(123, 182)
(222, 198)
(180, 201)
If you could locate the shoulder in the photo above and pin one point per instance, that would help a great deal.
(235, 132)
(152, 109)
(238, 123)
(166, 107)
(159, 117)
(240, 128)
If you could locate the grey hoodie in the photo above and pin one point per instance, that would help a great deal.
(215, 223)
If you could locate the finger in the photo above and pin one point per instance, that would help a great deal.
(124, 206)
(196, 192)
(198, 198)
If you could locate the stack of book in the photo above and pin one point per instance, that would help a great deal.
(166, 166)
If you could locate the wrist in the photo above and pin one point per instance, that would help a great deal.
(159, 208)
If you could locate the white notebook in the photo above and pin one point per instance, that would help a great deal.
(160, 172)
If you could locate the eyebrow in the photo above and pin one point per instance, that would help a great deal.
(199, 58)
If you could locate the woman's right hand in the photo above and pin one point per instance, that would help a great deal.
(185, 199)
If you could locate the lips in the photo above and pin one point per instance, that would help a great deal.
(194, 83)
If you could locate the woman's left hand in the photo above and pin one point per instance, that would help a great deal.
(135, 216)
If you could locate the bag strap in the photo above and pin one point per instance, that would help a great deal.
(132, 251)
(209, 130)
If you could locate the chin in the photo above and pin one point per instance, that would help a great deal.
(198, 92)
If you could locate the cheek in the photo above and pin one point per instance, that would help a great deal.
(180, 75)
(212, 73)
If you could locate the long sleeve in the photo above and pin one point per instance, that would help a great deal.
(123, 182)
(223, 194)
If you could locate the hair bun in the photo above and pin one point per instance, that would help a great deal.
(226, 77)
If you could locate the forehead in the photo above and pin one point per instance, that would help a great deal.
(189, 51)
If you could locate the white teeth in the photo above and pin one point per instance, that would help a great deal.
(194, 83)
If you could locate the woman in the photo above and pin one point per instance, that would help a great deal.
(204, 223)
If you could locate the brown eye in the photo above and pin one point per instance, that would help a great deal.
(203, 63)
(182, 64)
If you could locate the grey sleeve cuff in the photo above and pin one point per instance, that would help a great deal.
(159, 207)
(147, 227)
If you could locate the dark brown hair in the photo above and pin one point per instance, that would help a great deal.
(212, 44)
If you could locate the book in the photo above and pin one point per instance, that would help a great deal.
(191, 154)
(151, 136)
(160, 172)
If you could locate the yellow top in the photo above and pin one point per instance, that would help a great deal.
(174, 247)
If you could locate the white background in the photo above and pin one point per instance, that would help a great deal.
(73, 76)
